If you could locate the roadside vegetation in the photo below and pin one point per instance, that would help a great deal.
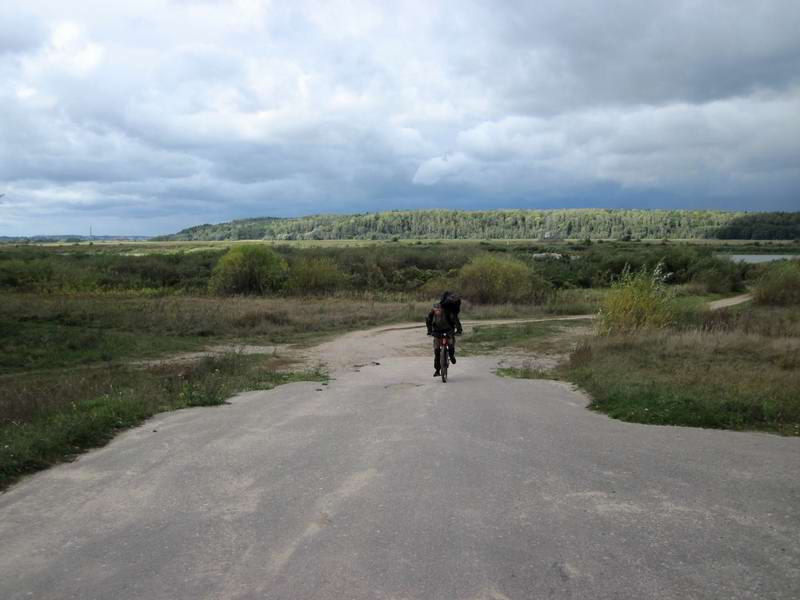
(654, 361)
(48, 417)
(374, 269)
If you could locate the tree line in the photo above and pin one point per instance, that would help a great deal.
(506, 224)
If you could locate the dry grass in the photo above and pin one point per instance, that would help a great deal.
(24, 396)
(276, 319)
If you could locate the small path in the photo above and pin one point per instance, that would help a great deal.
(360, 348)
(727, 302)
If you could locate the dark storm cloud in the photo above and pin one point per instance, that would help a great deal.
(158, 115)
(628, 51)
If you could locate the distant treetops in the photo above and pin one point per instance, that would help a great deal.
(508, 224)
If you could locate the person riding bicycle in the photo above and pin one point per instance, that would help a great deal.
(441, 321)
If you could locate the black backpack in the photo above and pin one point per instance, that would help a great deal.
(440, 321)
(451, 302)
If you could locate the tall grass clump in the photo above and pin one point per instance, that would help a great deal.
(488, 278)
(248, 270)
(779, 285)
(637, 300)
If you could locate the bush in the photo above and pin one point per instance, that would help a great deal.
(25, 275)
(780, 284)
(718, 275)
(314, 276)
(437, 285)
(248, 270)
(490, 278)
(639, 300)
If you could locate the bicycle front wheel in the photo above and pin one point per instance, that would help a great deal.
(444, 360)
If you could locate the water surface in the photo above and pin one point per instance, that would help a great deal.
(759, 258)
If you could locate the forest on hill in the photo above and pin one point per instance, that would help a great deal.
(507, 224)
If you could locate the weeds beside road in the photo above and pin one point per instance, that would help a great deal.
(667, 362)
(46, 418)
(722, 379)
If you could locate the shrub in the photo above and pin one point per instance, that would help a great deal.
(248, 270)
(26, 275)
(780, 284)
(314, 276)
(637, 300)
(718, 276)
(491, 278)
(435, 286)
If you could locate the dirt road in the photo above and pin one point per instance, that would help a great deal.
(358, 347)
(728, 302)
(362, 348)
(388, 484)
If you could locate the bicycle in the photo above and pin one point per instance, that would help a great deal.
(444, 354)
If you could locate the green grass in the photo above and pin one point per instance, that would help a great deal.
(36, 345)
(722, 380)
(88, 407)
(543, 337)
(733, 369)
(576, 301)
(737, 368)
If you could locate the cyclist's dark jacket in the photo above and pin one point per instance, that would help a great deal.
(452, 320)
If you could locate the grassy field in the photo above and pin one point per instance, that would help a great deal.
(742, 375)
(56, 331)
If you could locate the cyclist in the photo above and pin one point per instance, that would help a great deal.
(439, 322)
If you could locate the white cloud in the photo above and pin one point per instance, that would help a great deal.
(676, 146)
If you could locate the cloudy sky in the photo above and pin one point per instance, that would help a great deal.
(149, 116)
